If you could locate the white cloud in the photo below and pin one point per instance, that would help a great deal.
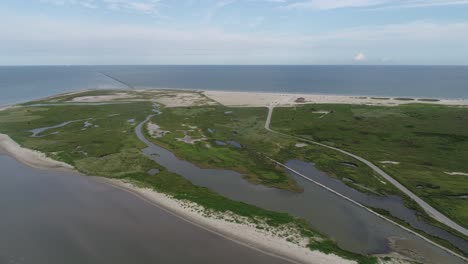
(336, 4)
(144, 6)
(257, 21)
(85, 3)
(360, 57)
(42, 40)
(332, 4)
(148, 6)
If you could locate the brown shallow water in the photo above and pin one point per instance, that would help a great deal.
(58, 218)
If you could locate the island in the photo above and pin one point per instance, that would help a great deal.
(256, 167)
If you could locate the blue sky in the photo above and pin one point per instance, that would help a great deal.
(42, 32)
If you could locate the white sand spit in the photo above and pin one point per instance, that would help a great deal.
(456, 173)
(243, 233)
(30, 157)
(102, 98)
(281, 99)
(389, 162)
(2, 108)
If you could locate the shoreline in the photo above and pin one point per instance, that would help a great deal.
(139, 89)
(268, 98)
(41, 161)
(243, 233)
(32, 158)
(222, 224)
(238, 98)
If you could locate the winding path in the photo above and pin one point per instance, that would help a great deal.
(434, 213)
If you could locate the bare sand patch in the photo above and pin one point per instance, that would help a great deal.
(239, 229)
(457, 173)
(155, 131)
(389, 162)
(189, 140)
(177, 99)
(102, 98)
(2, 108)
(300, 145)
(30, 157)
(229, 98)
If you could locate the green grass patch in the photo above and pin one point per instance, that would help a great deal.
(426, 140)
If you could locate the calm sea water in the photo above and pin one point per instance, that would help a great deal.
(24, 83)
(54, 218)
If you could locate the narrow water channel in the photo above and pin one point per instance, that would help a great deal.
(394, 204)
(352, 227)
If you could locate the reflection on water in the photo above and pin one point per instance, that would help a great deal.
(352, 227)
(393, 204)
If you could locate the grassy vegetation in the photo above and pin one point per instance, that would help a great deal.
(243, 125)
(429, 100)
(74, 142)
(420, 137)
(431, 237)
(426, 140)
(109, 148)
(181, 188)
(360, 176)
(246, 126)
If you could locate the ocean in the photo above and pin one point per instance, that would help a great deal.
(23, 83)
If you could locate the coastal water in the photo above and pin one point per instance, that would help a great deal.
(55, 218)
(19, 84)
(351, 226)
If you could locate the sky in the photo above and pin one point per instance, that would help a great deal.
(355, 32)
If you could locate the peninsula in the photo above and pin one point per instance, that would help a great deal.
(210, 156)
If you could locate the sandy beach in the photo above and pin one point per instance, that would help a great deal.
(240, 231)
(182, 98)
(231, 98)
(268, 242)
(2, 108)
(30, 157)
